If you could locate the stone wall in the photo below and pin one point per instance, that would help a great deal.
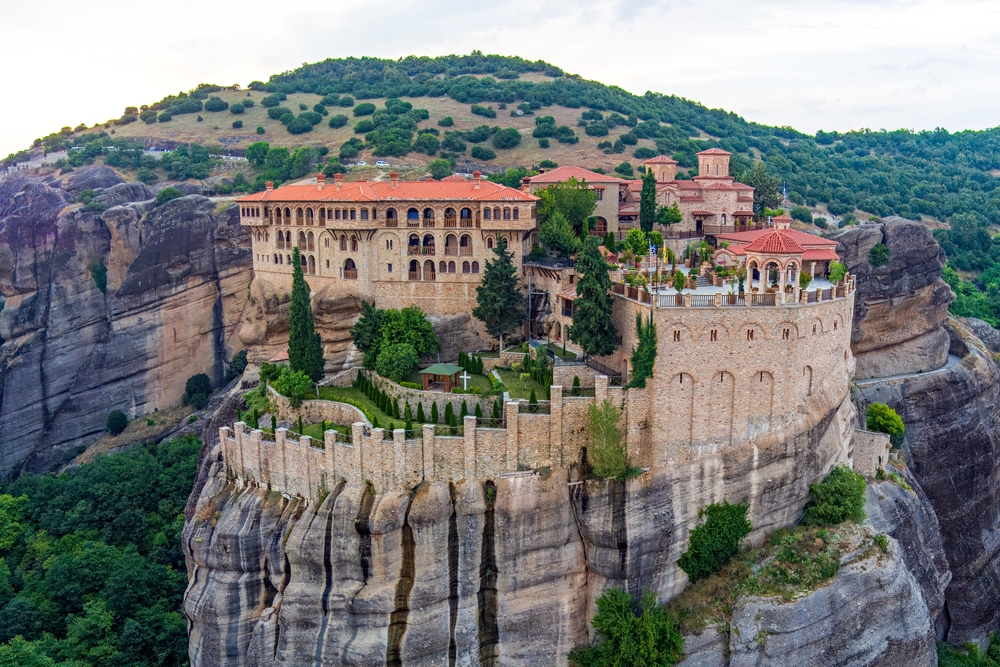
(871, 452)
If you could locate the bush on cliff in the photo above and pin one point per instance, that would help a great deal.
(883, 419)
(627, 639)
(91, 568)
(970, 655)
(294, 385)
(717, 540)
(166, 194)
(606, 450)
(116, 422)
(839, 497)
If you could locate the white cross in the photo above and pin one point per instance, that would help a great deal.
(465, 380)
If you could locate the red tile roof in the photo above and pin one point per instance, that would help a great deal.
(715, 151)
(802, 238)
(561, 174)
(820, 254)
(660, 159)
(461, 189)
(454, 177)
(775, 242)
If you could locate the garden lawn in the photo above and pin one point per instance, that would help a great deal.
(517, 389)
(357, 398)
(558, 350)
(315, 431)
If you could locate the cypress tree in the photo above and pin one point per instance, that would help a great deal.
(532, 400)
(305, 353)
(465, 410)
(407, 412)
(479, 412)
(500, 303)
(420, 414)
(644, 356)
(409, 425)
(434, 412)
(274, 424)
(647, 202)
(300, 425)
(395, 408)
(593, 328)
(576, 385)
(496, 410)
(449, 414)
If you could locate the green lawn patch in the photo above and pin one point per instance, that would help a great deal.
(315, 431)
(356, 397)
(518, 389)
(569, 355)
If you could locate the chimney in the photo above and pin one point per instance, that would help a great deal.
(475, 179)
(394, 178)
(320, 180)
(338, 179)
(269, 185)
(541, 170)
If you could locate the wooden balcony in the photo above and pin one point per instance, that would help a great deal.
(450, 222)
(350, 274)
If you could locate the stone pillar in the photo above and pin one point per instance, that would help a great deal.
(277, 458)
(510, 411)
(398, 462)
(687, 300)
(375, 461)
(302, 458)
(600, 387)
(812, 269)
(330, 457)
(469, 445)
(351, 468)
(718, 300)
(555, 426)
(428, 453)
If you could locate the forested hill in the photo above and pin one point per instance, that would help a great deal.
(912, 174)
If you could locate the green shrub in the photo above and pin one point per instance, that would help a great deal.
(447, 121)
(237, 108)
(411, 385)
(340, 120)
(879, 255)
(198, 401)
(364, 109)
(260, 129)
(216, 104)
(99, 273)
(506, 139)
(166, 116)
(820, 222)
(883, 419)
(485, 112)
(482, 153)
(839, 497)
(837, 272)
(166, 194)
(606, 450)
(627, 639)
(294, 385)
(714, 542)
(543, 143)
(237, 124)
(802, 214)
(116, 422)
(395, 361)
(346, 101)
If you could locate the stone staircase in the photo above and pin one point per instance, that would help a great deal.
(704, 281)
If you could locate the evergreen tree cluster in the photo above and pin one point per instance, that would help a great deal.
(392, 341)
(471, 363)
(305, 351)
(382, 399)
(593, 328)
(644, 355)
(501, 305)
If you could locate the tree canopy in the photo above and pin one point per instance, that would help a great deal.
(500, 302)
(305, 351)
(572, 198)
(593, 328)
(647, 201)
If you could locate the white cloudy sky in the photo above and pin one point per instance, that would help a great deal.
(813, 64)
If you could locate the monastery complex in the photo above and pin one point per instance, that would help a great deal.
(732, 369)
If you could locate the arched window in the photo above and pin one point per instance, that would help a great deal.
(486, 214)
(475, 267)
(412, 216)
(506, 214)
(267, 237)
(451, 245)
(442, 267)
(466, 267)
(326, 241)
(489, 243)
(312, 265)
(343, 242)
(288, 260)
(275, 258)
(429, 244)
(322, 216)
(298, 216)
(414, 270)
(302, 241)
(723, 218)
(354, 243)
(390, 218)
(465, 244)
(277, 216)
(466, 214)
(350, 270)
(451, 267)
(429, 270)
(309, 216)
(310, 241)
(428, 214)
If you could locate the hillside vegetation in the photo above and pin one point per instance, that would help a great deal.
(418, 109)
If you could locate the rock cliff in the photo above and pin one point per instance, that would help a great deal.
(176, 287)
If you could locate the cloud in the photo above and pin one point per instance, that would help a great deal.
(830, 64)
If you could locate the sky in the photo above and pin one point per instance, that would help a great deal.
(818, 64)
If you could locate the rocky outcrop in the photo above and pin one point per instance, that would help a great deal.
(898, 307)
(176, 286)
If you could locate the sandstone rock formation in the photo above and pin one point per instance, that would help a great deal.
(176, 288)
(898, 307)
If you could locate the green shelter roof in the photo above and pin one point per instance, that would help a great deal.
(441, 369)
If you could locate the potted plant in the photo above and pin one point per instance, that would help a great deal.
(741, 276)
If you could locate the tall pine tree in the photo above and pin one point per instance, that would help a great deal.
(593, 328)
(305, 353)
(644, 355)
(500, 303)
(647, 202)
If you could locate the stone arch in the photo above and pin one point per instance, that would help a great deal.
(312, 265)
(489, 243)
(277, 215)
(412, 215)
(343, 242)
(288, 260)
(302, 241)
(428, 214)
(758, 332)
(722, 330)
(475, 267)
(451, 267)
(466, 214)
(309, 216)
(298, 216)
(722, 398)
(466, 267)
(465, 244)
(414, 270)
(350, 269)
(760, 399)
(601, 226)
(428, 241)
(779, 331)
(815, 327)
(390, 217)
(679, 415)
(671, 330)
(449, 213)
(451, 244)
(807, 380)
(837, 322)
(310, 241)
(429, 273)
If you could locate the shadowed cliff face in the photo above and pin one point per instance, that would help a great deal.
(176, 285)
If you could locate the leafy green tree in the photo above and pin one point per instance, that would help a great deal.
(167, 194)
(883, 419)
(636, 241)
(500, 303)
(767, 188)
(839, 497)
(116, 422)
(294, 385)
(609, 241)
(627, 639)
(669, 215)
(305, 352)
(879, 255)
(574, 199)
(644, 355)
(606, 450)
(482, 153)
(257, 153)
(409, 325)
(837, 272)
(593, 328)
(557, 236)
(395, 361)
(625, 170)
(21, 653)
(440, 168)
(367, 332)
(506, 139)
(802, 214)
(647, 201)
(714, 542)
